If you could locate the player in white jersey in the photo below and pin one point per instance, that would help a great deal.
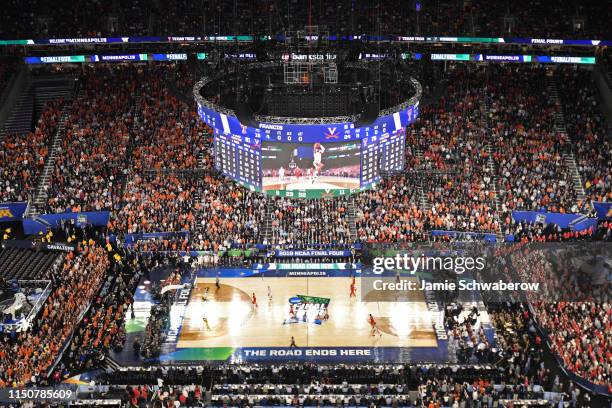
(281, 173)
(317, 163)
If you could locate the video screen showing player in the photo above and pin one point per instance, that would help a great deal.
(313, 166)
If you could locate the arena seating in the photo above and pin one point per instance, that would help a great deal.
(28, 355)
(462, 158)
(487, 146)
(589, 134)
(89, 165)
(22, 156)
(70, 19)
(7, 69)
(529, 152)
(579, 330)
(25, 264)
(170, 135)
(103, 327)
(321, 221)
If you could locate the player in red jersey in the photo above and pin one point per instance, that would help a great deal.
(353, 290)
(254, 300)
(291, 312)
(373, 328)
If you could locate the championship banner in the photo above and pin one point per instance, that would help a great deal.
(12, 211)
(318, 267)
(604, 210)
(312, 253)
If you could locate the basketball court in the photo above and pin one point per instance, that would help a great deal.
(306, 183)
(213, 317)
(232, 320)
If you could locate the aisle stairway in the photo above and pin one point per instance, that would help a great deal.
(351, 219)
(267, 233)
(491, 168)
(559, 126)
(39, 200)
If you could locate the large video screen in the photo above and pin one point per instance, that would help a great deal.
(310, 166)
(238, 160)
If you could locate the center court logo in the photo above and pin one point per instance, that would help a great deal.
(307, 309)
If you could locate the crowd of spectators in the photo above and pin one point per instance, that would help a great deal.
(448, 184)
(22, 156)
(158, 201)
(591, 137)
(529, 153)
(186, 396)
(321, 221)
(581, 333)
(170, 134)
(391, 213)
(149, 173)
(71, 19)
(156, 172)
(103, 327)
(572, 308)
(89, 167)
(26, 356)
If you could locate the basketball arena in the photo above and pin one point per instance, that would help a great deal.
(267, 203)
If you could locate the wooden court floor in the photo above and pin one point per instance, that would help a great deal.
(228, 318)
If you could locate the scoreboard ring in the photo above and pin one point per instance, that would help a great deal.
(239, 148)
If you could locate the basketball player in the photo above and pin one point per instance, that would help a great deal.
(292, 343)
(205, 295)
(217, 284)
(353, 290)
(317, 163)
(281, 173)
(206, 322)
(291, 312)
(254, 300)
(269, 294)
(373, 328)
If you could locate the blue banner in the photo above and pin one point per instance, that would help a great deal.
(12, 211)
(604, 210)
(476, 236)
(120, 58)
(45, 222)
(311, 253)
(574, 221)
(283, 38)
(310, 133)
(132, 238)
